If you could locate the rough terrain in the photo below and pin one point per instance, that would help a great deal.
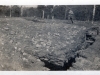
(27, 44)
(89, 59)
(14, 41)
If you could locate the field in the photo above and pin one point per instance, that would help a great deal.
(31, 44)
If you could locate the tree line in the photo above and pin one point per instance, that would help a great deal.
(81, 12)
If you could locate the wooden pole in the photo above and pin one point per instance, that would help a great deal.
(52, 9)
(65, 11)
(10, 10)
(21, 11)
(93, 13)
(42, 14)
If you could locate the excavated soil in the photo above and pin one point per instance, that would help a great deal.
(46, 45)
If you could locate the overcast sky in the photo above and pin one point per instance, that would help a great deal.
(30, 6)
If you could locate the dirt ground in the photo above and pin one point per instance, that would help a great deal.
(16, 46)
(13, 42)
(89, 59)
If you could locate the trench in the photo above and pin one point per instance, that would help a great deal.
(71, 60)
(66, 66)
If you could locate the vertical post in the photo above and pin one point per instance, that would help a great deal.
(93, 13)
(65, 12)
(52, 14)
(21, 11)
(43, 14)
(10, 10)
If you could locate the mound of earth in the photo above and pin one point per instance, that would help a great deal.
(57, 43)
(89, 59)
(27, 45)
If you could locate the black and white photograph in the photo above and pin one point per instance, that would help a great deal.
(49, 37)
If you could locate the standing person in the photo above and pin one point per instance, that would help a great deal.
(70, 15)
